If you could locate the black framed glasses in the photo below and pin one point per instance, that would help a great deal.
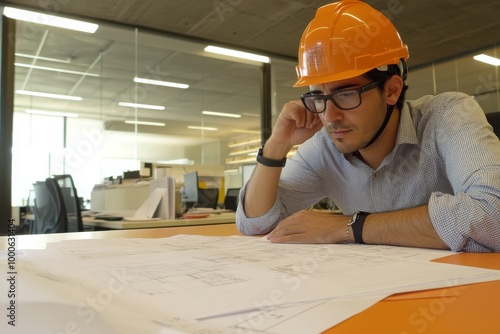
(345, 99)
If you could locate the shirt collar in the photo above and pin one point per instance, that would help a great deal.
(407, 133)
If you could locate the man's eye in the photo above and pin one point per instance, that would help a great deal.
(346, 94)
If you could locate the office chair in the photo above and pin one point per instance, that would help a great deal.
(57, 208)
(494, 119)
(49, 208)
(72, 202)
(208, 198)
(231, 199)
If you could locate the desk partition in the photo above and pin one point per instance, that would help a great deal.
(119, 198)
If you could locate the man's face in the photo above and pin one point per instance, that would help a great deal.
(352, 130)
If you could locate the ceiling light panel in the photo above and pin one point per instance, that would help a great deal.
(53, 69)
(161, 83)
(487, 59)
(48, 95)
(141, 106)
(50, 20)
(55, 60)
(221, 114)
(237, 54)
(145, 123)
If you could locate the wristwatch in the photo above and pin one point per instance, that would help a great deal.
(356, 222)
(269, 162)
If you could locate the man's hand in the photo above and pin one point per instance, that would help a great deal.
(295, 125)
(308, 226)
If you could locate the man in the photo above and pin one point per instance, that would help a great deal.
(422, 173)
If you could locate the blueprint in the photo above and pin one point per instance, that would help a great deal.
(210, 284)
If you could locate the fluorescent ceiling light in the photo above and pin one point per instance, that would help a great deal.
(488, 59)
(55, 60)
(50, 20)
(222, 114)
(237, 54)
(161, 83)
(139, 105)
(192, 127)
(50, 113)
(52, 69)
(145, 123)
(52, 96)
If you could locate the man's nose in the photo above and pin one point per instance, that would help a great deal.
(332, 112)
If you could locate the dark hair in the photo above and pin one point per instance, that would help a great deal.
(383, 76)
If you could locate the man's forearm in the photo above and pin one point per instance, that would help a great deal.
(263, 185)
(409, 227)
(261, 190)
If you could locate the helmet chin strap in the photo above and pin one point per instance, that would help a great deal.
(403, 71)
(388, 114)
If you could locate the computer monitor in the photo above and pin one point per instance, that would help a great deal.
(190, 194)
(231, 200)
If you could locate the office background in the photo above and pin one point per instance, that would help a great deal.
(165, 40)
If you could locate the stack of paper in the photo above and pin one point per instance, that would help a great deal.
(222, 284)
(161, 202)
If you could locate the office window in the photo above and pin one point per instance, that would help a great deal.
(37, 148)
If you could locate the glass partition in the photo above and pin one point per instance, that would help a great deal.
(122, 96)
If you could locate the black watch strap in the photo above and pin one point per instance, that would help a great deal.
(357, 222)
(269, 162)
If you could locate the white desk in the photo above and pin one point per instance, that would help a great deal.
(214, 218)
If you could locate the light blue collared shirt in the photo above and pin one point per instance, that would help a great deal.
(446, 155)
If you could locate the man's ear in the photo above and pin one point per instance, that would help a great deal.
(393, 88)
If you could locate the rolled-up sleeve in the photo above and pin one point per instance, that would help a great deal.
(259, 225)
(469, 219)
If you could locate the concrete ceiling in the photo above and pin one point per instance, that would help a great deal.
(434, 31)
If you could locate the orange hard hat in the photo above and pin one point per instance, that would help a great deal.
(346, 39)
